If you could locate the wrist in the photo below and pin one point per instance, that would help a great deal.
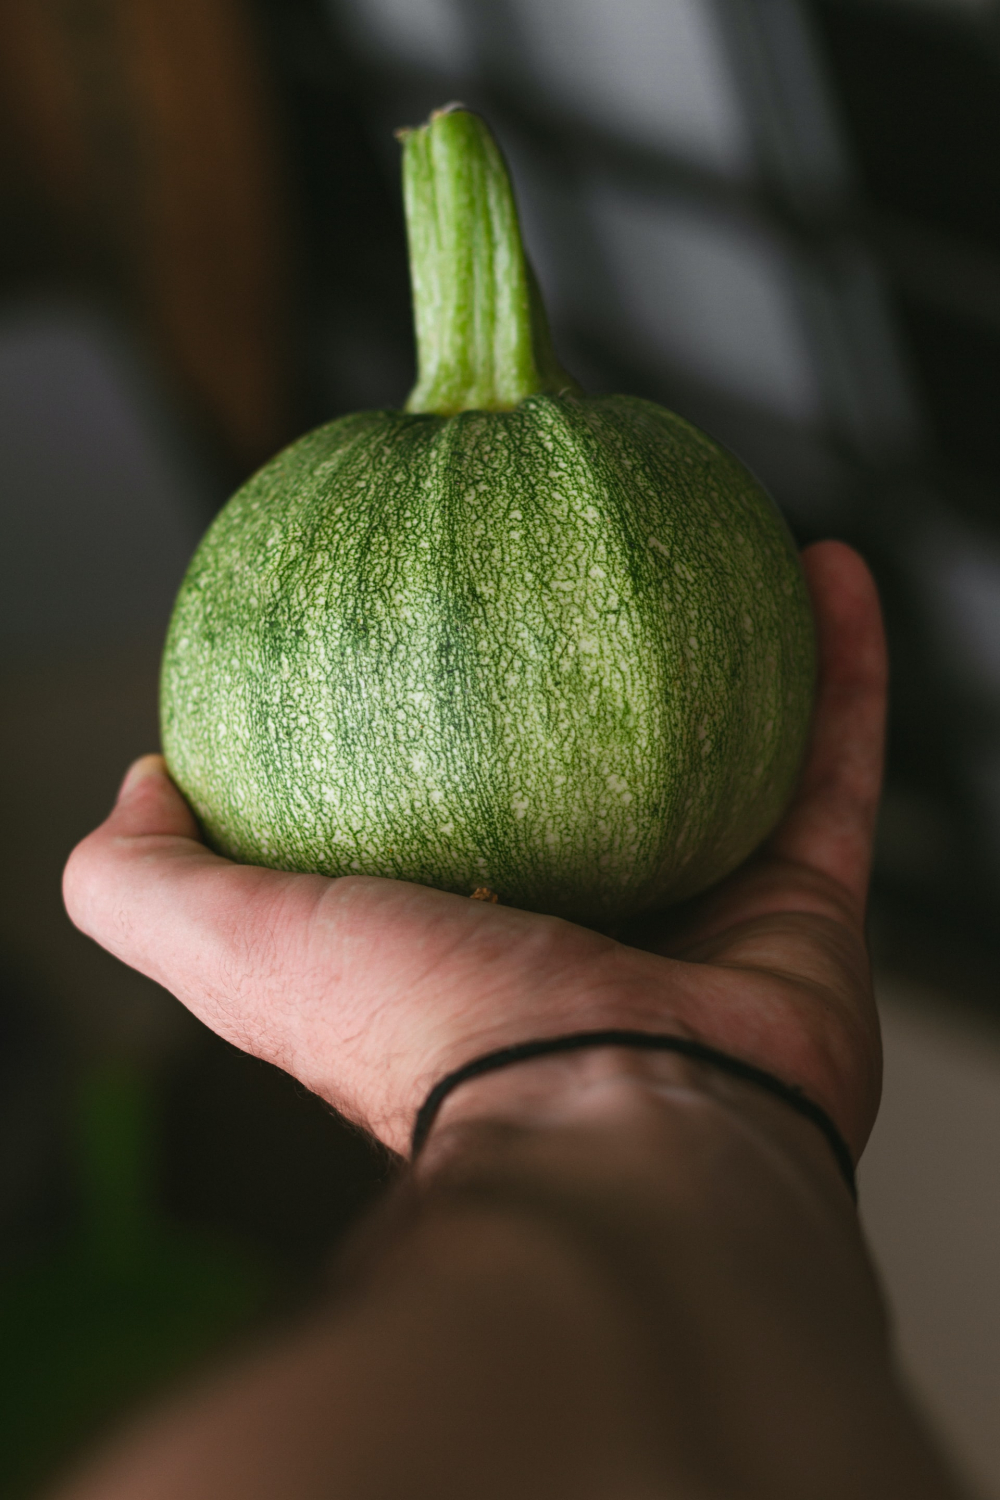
(550, 1092)
(614, 1088)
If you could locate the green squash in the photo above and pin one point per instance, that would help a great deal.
(514, 637)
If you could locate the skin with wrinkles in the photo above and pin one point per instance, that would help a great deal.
(564, 652)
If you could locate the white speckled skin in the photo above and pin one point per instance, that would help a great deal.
(564, 651)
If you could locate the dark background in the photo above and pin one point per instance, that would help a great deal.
(779, 217)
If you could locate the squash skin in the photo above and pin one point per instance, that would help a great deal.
(564, 651)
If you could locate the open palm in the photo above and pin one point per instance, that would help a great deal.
(368, 990)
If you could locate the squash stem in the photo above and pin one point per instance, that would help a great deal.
(483, 341)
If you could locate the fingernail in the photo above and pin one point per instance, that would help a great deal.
(138, 771)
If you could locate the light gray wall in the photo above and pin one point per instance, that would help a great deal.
(930, 1201)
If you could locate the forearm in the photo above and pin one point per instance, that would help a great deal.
(610, 1276)
(735, 1341)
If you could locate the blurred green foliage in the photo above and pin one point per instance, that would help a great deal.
(126, 1303)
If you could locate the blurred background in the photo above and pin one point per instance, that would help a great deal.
(779, 217)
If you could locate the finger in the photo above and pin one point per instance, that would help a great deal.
(148, 808)
(148, 802)
(234, 943)
(145, 887)
(831, 822)
(366, 990)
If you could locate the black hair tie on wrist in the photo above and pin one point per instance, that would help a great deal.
(650, 1041)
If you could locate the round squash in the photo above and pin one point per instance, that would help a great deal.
(513, 638)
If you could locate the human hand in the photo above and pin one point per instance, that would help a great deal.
(369, 990)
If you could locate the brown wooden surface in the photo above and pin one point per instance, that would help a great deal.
(143, 143)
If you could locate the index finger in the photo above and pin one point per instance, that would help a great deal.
(830, 824)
